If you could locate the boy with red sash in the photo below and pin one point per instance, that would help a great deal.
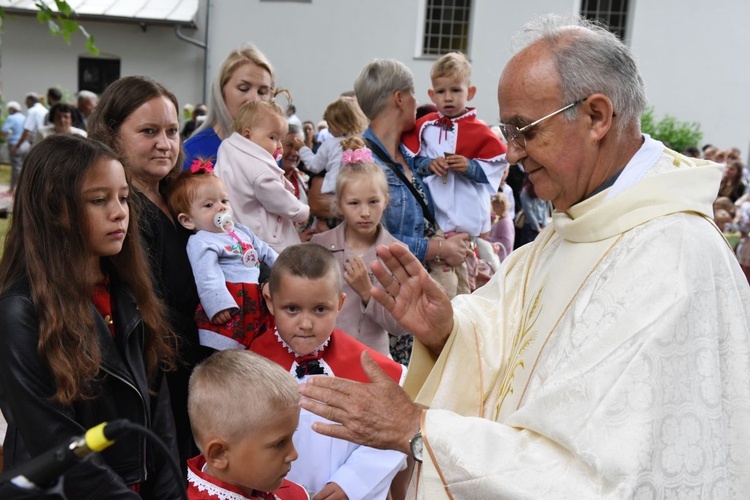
(304, 295)
(461, 160)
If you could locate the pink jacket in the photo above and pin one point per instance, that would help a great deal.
(261, 197)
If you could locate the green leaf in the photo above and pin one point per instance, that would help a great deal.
(63, 7)
(54, 29)
(90, 47)
(669, 130)
(69, 26)
(43, 16)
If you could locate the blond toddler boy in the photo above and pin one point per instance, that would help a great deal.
(244, 411)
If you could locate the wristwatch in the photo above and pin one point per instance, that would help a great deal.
(417, 446)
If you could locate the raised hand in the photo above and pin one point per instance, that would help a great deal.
(412, 297)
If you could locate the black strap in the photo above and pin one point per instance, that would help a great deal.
(402, 177)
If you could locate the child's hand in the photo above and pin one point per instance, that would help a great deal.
(355, 273)
(458, 163)
(439, 166)
(331, 491)
(222, 317)
(297, 143)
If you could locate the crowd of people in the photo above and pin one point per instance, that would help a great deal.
(453, 301)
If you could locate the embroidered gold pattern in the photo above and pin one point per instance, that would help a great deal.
(521, 342)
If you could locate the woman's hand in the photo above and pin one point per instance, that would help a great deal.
(455, 249)
(297, 143)
(412, 297)
(355, 273)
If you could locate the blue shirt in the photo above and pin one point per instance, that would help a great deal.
(403, 217)
(14, 126)
(201, 146)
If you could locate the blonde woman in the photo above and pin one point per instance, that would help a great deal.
(245, 76)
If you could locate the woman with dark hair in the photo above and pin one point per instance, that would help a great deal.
(137, 117)
(732, 186)
(60, 118)
(83, 337)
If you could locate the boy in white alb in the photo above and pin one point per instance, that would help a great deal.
(304, 294)
(460, 158)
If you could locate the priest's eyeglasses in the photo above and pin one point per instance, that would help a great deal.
(517, 136)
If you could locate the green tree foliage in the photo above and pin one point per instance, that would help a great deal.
(676, 134)
(61, 22)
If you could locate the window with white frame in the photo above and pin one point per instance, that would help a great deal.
(446, 27)
(613, 13)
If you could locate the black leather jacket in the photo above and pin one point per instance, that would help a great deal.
(121, 390)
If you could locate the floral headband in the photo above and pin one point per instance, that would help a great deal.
(202, 167)
(361, 155)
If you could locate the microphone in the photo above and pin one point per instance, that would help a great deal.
(43, 471)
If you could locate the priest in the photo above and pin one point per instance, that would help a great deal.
(609, 358)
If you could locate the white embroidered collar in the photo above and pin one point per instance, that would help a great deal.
(212, 489)
(469, 112)
(315, 352)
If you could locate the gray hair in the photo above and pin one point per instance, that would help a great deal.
(296, 130)
(377, 83)
(87, 95)
(589, 59)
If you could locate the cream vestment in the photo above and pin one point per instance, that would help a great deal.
(610, 358)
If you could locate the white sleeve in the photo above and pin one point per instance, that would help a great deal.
(368, 472)
(314, 162)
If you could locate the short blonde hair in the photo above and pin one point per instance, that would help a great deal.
(253, 114)
(235, 392)
(345, 115)
(452, 63)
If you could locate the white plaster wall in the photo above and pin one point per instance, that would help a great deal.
(691, 52)
(33, 60)
(319, 48)
(693, 58)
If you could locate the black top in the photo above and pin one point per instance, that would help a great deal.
(166, 241)
(120, 390)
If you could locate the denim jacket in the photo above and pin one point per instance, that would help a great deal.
(403, 217)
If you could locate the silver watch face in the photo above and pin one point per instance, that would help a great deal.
(417, 447)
